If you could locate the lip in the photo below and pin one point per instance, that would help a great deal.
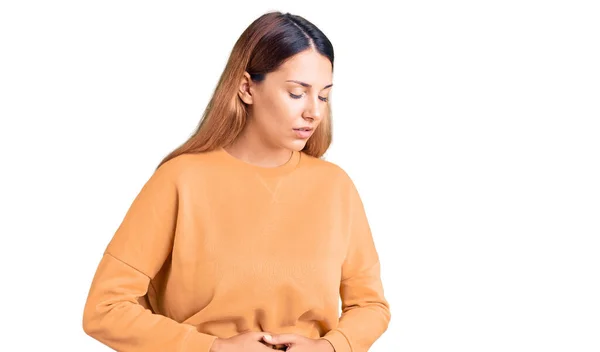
(303, 134)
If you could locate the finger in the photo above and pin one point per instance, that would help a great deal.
(281, 339)
(258, 335)
(264, 348)
(278, 347)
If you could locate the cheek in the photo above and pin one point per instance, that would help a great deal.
(281, 111)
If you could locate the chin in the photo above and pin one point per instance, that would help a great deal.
(296, 145)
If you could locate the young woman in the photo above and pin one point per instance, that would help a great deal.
(244, 239)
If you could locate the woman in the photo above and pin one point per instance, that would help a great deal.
(244, 239)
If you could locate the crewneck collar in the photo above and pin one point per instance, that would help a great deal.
(283, 169)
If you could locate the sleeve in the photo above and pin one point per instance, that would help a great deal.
(113, 314)
(365, 311)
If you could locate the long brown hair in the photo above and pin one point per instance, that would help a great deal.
(270, 40)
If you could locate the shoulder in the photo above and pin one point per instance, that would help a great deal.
(329, 169)
(185, 166)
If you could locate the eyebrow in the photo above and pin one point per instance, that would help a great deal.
(306, 84)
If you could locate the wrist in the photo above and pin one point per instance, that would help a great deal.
(216, 345)
(325, 346)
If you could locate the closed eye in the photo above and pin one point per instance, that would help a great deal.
(294, 96)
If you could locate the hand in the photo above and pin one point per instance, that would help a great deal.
(299, 343)
(244, 342)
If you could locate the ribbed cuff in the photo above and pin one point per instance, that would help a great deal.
(338, 340)
(198, 342)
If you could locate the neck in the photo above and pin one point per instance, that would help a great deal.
(249, 147)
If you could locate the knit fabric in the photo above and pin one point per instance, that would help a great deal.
(213, 246)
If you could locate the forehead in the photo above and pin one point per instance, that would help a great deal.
(307, 66)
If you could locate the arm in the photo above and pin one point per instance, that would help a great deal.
(365, 311)
(137, 251)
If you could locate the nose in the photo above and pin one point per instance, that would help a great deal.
(313, 110)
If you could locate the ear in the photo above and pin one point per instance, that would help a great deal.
(244, 90)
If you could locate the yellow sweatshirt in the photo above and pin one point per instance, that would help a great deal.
(213, 246)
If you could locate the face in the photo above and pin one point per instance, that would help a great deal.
(295, 96)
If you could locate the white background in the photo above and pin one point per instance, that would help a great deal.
(471, 129)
